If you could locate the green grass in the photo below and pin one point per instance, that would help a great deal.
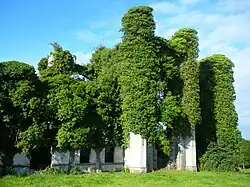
(157, 179)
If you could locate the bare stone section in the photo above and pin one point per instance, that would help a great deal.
(77, 157)
(92, 158)
(21, 164)
(191, 164)
(1, 163)
(118, 155)
(50, 61)
(186, 157)
(61, 160)
(181, 155)
(138, 157)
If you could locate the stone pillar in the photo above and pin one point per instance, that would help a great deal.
(181, 155)
(136, 154)
(155, 158)
(150, 158)
(60, 159)
(77, 157)
(21, 164)
(118, 155)
(92, 157)
(1, 164)
(173, 154)
(191, 164)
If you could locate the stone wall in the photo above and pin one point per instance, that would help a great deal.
(138, 157)
(61, 160)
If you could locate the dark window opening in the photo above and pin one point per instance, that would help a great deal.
(84, 155)
(40, 158)
(109, 155)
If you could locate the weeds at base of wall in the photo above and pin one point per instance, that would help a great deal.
(75, 170)
(12, 171)
(51, 170)
(244, 171)
(125, 169)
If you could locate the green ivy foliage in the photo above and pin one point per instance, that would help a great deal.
(42, 64)
(138, 24)
(224, 116)
(139, 73)
(108, 100)
(206, 130)
(185, 41)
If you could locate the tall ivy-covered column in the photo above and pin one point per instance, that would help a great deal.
(186, 42)
(224, 116)
(224, 96)
(139, 73)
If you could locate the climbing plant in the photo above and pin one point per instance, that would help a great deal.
(206, 130)
(139, 73)
(224, 115)
(185, 42)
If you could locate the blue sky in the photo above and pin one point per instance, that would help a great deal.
(80, 25)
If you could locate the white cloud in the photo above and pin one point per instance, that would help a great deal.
(82, 58)
(223, 28)
(233, 5)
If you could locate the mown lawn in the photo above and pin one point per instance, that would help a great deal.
(157, 179)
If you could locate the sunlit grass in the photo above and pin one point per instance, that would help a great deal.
(156, 179)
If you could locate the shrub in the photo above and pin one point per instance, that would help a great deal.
(219, 158)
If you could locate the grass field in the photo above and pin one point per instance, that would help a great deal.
(157, 179)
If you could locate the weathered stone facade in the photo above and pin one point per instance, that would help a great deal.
(61, 160)
(21, 164)
(138, 157)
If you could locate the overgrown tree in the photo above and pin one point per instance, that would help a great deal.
(105, 105)
(83, 114)
(18, 92)
(55, 72)
(59, 61)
